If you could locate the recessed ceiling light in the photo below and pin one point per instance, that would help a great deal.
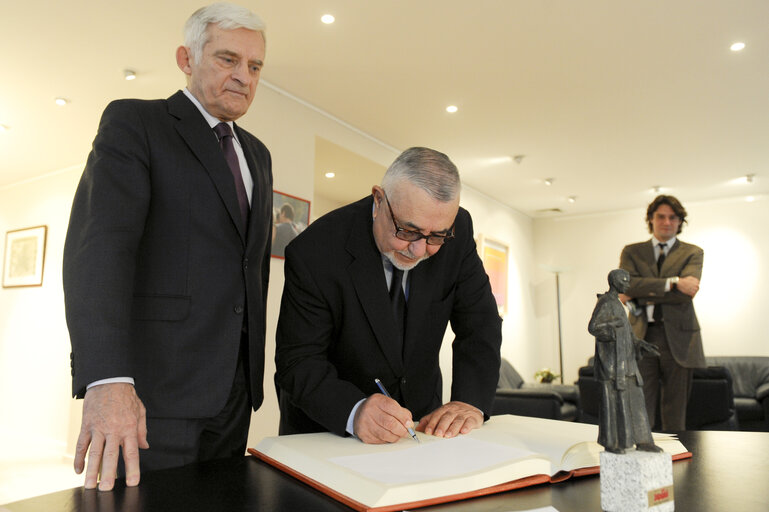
(4, 128)
(736, 47)
(328, 19)
(749, 178)
(330, 175)
(61, 101)
(750, 199)
(572, 199)
(656, 189)
(549, 181)
(129, 74)
(451, 109)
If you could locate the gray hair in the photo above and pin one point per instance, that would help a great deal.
(226, 16)
(430, 170)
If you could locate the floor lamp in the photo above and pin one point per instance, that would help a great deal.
(560, 335)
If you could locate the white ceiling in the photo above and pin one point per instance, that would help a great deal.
(608, 97)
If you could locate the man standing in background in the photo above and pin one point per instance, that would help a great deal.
(664, 278)
(166, 264)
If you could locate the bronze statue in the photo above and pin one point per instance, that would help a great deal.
(622, 418)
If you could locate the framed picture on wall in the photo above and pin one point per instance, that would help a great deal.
(494, 255)
(24, 257)
(290, 216)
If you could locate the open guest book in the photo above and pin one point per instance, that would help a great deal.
(508, 452)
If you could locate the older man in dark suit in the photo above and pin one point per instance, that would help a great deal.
(664, 278)
(340, 328)
(166, 264)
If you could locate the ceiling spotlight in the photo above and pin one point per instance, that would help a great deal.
(750, 199)
(330, 175)
(549, 181)
(61, 101)
(129, 74)
(451, 109)
(4, 128)
(656, 189)
(749, 178)
(736, 47)
(518, 158)
(328, 19)
(572, 199)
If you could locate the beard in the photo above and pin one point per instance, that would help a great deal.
(405, 266)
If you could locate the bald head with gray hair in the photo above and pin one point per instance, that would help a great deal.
(430, 170)
(226, 16)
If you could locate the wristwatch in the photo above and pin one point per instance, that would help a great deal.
(673, 280)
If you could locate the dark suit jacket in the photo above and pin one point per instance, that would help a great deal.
(159, 269)
(336, 327)
(615, 352)
(648, 286)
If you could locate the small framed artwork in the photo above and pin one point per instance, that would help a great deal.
(24, 257)
(494, 255)
(290, 216)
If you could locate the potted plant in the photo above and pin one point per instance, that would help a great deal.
(545, 376)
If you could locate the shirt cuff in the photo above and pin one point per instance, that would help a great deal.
(113, 380)
(351, 418)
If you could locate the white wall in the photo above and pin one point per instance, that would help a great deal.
(34, 344)
(584, 249)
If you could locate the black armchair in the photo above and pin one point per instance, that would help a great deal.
(750, 382)
(711, 402)
(514, 396)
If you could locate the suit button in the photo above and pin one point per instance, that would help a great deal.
(245, 264)
(238, 310)
(403, 381)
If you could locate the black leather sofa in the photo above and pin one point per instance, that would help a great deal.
(750, 383)
(552, 401)
(711, 403)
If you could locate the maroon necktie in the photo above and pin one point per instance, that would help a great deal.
(224, 132)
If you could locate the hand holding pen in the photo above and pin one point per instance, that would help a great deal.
(380, 419)
(385, 393)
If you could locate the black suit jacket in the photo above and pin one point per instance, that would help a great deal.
(647, 285)
(336, 327)
(159, 269)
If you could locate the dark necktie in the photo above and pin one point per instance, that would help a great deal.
(224, 132)
(657, 314)
(398, 303)
(661, 257)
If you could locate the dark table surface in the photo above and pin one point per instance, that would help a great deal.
(729, 472)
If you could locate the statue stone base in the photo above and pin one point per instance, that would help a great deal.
(636, 481)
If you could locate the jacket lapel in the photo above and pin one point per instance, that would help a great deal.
(367, 274)
(202, 142)
(649, 258)
(261, 195)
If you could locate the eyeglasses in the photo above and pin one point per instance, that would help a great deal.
(412, 236)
